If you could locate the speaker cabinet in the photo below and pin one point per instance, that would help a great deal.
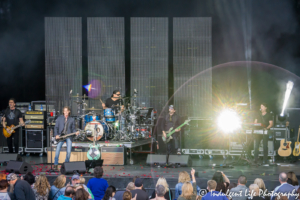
(18, 167)
(73, 167)
(5, 157)
(182, 160)
(113, 155)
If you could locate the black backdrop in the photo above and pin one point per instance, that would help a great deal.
(265, 30)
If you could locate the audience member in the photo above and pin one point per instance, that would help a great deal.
(69, 194)
(284, 187)
(82, 180)
(262, 188)
(76, 182)
(289, 181)
(58, 188)
(4, 194)
(141, 194)
(119, 194)
(222, 181)
(41, 188)
(81, 194)
(110, 193)
(240, 192)
(160, 192)
(133, 180)
(189, 191)
(182, 178)
(98, 185)
(81, 186)
(127, 195)
(254, 192)
(293, 177)
(213, 194)
(162, 181)
(29, 177)
(21, 189)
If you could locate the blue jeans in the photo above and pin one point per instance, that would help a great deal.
(69, 148)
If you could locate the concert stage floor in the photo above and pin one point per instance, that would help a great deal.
(119, 176)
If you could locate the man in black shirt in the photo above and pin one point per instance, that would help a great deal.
(139, 192)
(114, 101)
(171, 120)
(266, 119)
(13, 116)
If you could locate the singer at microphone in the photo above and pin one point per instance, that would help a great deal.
(114, 101)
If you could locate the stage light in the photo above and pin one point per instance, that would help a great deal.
(229, 121)
(88, 87)
(289, 87)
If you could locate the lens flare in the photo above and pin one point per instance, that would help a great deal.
(229, 121)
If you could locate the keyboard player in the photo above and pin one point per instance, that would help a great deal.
(266, 119)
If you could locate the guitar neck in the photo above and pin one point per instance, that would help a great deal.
(64, 136)
(298, 134)
(173, 131)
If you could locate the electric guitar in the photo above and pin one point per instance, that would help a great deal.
(12, 129)
(296, 151)
(285, 146)
(63, 137)
(94, 152)
(171, 131)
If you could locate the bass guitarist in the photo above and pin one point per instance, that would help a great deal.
(266, 119)
(171, 120)
(64, 125)
(13, 116)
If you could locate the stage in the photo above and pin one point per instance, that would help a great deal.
(119, 176)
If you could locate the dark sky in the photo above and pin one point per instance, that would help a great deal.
(264, 31)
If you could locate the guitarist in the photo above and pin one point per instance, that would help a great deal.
(266, 119)
(172, 120)
(13, 116)
(64, 125)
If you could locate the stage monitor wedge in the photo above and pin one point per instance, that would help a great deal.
(73, 168)
(182, 160)
(18, 167)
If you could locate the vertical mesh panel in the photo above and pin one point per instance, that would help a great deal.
(106, 57)
(149, 61)
(192, 55)
(63, 57)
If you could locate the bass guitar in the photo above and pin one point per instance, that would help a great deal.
(296, 151)
(285, 146)
(63, 137)
(171, 131)
(12, 129)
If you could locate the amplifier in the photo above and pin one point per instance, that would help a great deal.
(38, 119)
(113, 155)
(279, 133)
(35, 124)
(34, 139)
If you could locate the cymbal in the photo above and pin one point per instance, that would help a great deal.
(93, 108)
(81, 96)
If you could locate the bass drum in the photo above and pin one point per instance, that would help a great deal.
(102, 129)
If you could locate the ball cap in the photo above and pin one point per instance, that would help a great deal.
(11, 177)
(75, 176)
(171, 107)
(138, 182)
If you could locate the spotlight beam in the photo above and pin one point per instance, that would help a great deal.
(289, 87)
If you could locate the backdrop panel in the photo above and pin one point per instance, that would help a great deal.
(106, 57)
(192, 55)
(149, 61)
(63, 59)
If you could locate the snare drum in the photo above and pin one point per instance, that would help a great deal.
(109, 115)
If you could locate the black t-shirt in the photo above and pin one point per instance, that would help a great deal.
(264, 119)
(12, 116)
(171, 121)
(109, 102)
(141, 194)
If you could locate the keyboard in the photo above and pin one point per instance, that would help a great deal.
(258, 132)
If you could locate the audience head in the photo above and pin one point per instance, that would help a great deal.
(184, 177)
(81, 194)
(242, 180)
(127, 195)
(163, 181)
(29, 178)
(110, 192)
(12, 178)
(75, 179)
(130, 186)
(98, 172)
(232, 185)
(2, 177)
(218, 177)
(77, 187)
(211, 185)
(69, 192)
(282, 177)
(187, 190)
(254, 190)
(260, 183)
(293, 177)
(3, 185)
(41, 185)
(82, 180)
(160, 190)
(60, 181)
(138, 183)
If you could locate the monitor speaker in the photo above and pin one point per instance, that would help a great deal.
(73, 168)
(182, 160)
(18, 167)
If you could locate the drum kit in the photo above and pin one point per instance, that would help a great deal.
(119, 123)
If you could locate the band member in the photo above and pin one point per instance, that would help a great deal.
(64, 125)
(172, 121)
(266, 119)
(13, 116)
(113, 101)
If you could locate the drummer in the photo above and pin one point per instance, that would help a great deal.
(113, 101)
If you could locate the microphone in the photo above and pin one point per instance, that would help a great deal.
(135, 91)
(71, 92)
